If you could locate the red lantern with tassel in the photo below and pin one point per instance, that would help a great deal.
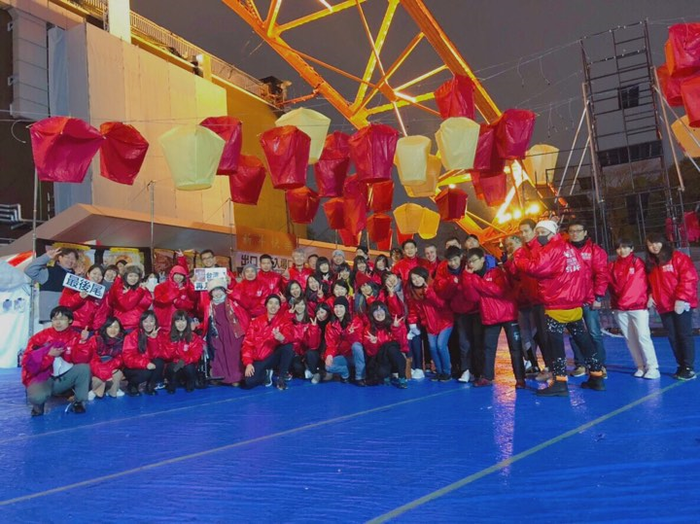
(247, 182)
(122, 153)
(372, 149)
(302, 204)
(335, 213)
(231, 130)
(381, 196)
(452, 204)
(514, 132)
(379, 227)
(286, 149)
(456, 97)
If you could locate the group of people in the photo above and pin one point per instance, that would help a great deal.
(366, 323)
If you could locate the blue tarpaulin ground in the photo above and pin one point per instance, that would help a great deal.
(334, 452)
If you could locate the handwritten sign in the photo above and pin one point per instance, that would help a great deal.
(203, 275)
(84, 285)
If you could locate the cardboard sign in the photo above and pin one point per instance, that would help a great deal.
(84, 285)
(203, 275)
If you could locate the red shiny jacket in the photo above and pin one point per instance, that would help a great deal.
(300, 276)
(430, 311)
(596, 263)
(628, 284)
(677, 279)
(251, 294)
(497, 304)
(37, 364)
(304, 336)
(128, 306)
(461, 299)
(404, 266)
(168, 297)
(383, 336)
(273, 280)
(103, 369)
(339, 340)
(259, 342)
(189, 352)
(134, 359)
(397, 307)
(88, 312)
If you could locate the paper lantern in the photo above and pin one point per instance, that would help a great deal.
(247, 182)
(690, 91)
(338, 141)
(457, 139)
(348, 238)
(335, 213)
(513, 133)
(428, 188)
(476, 183)
(683, 48)
(123, 152)
(671, 85)
(231, 130)
(310, 122)
(379, 227)
(385, 244)
(540, 161)
(429, 224)
(684, 134)
(455, 98)
(408, 218)
(286, 149)
(332, 168)
(302, 204)
(355, 204)
(63, 148)
(452, 204)
(192, 153)
(494, 188)
(381, 196)
(412, 159)
(372, 150)
(401, 237)
(486, 159)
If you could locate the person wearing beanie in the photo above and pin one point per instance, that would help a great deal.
(251, 292)
(343, 344)
(337, 260)
(129, 298)
(595, 261)
(562, 286)
(224, 325)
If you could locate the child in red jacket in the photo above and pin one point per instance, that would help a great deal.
(628, 298)
(54, 362)
(184, 349)
(385, 345)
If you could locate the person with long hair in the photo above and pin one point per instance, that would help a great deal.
(384, 341)
(323, 271)
(673, 281)
(88, 312)
(306, 339)
(343, 343)
(184, 349)
(362, 273)
(340, 288)
(143, 356)
(382, 265)
(293, 291)
(364, 297)
(106, 349)
(315, 293)
(129, 298)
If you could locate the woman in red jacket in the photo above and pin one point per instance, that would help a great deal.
(267, 346)
(251, 292)
(306, 339)
(498, 311)
(315, 293)
(129, 298)
(184, 349)
(431, 312)
(106, 349)
(175, 293)
(674, 292)
(343, 346)
(143, 356)
(385, 345)
(628, 299)
(88, 312)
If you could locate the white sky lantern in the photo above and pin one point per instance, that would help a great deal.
(310, 122)
(457, 139)
(411, 159)
(428, 188)
(685, 134)
(193, 154)
(540, 161)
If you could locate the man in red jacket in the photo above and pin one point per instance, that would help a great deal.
(562, 286)
(410, 260)
(595, 260)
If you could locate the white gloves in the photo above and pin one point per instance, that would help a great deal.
(681, 306)
(413, 331)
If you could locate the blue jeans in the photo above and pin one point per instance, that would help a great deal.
(341, 364)
(440, 352)
(591, 317)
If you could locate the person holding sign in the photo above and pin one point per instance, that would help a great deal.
(175, 293)
(51, 278)
(129, 297)
(89, 311)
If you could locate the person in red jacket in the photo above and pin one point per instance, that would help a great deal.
(184, 349)
(410, 260)
(628, 299)
(54, 361)
(563, 288)
(315, 293)
(106, 349)
(463, 301)
(385, 345)
(381, 267)
(323, 272)
(426, 308)
(306, 339)
(268, 346)
(299, 271)
(498, 311)
(88, 312)
(595, 261)
(143, 356)
(362, 273)
(431, 257)
(673, 280)
(293, 290)
(343, 344)
(272, 279)
(175, 293)
(251, 292)
(129, 298)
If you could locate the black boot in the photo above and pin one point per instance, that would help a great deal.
(558, 388)
(596, 383)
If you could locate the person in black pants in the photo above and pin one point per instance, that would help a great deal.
(142, 356)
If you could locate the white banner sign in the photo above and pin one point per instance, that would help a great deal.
(203, 275)
(84, 285)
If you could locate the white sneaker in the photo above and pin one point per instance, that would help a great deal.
(417, 374)
(91, 396)
(528, 367)
(315, 378)
(465, 377)
(308, 375)
(394, 375)
(120, 393)
(268, 378)
(652, 374)
(639, 373)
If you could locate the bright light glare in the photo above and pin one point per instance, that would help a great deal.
(409, 98)
(533, 209)
(452, 186)
(517, 214)
(326, 5)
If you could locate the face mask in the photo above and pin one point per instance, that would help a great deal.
(543, 240)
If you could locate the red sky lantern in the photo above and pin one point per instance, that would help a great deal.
(348, 238)
(63, 148)
(335, 213)
(494, 188)
(302, 204)
(671, 85)
(486, 159)
(513, 133)
(452, 204)
(381, 196)
(379, 227)
(401, 237)
(372, 149)
(123, 152)
(690, 91)
(385, 244)
(355, 204)
(247, 182)
(683, 48)
(456, 97)
(332, 168)
(286, 149)
(476, 183)
(231, 130)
